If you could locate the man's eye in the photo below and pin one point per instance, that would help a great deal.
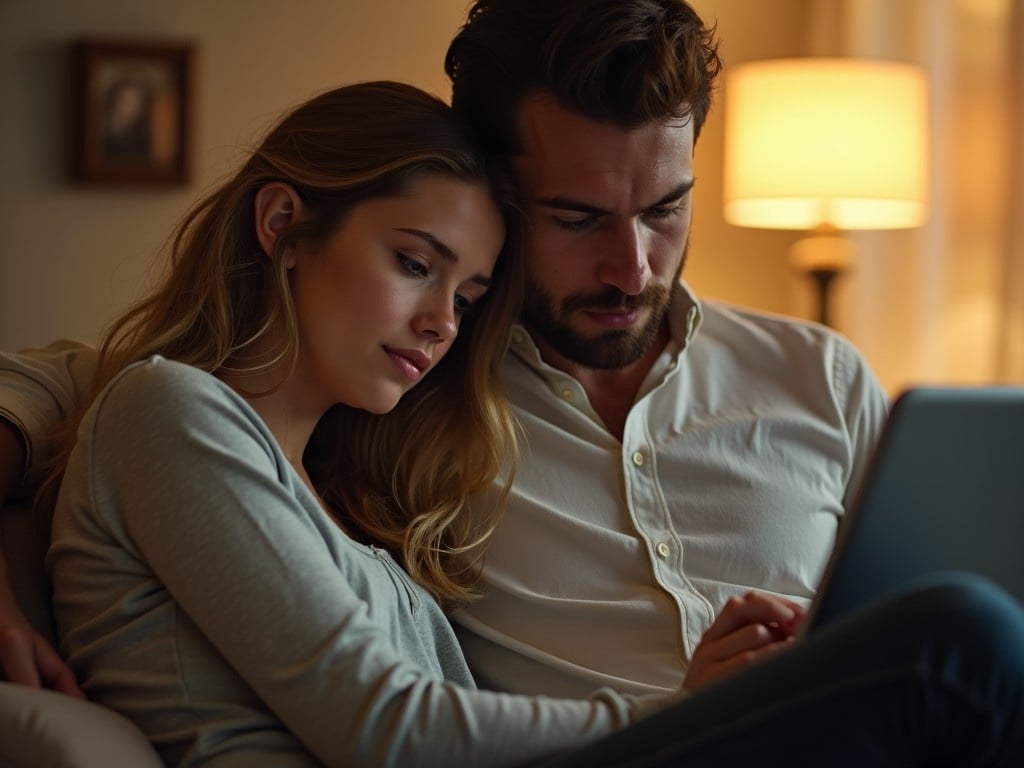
(574, 225)
(663, 213)
(412, 266)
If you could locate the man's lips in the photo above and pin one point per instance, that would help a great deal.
(613, 318)
(411, 362)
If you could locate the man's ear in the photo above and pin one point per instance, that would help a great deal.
(278, 205)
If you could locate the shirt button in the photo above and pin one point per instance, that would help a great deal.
(638, 459)
(662, 549)
(568, 395)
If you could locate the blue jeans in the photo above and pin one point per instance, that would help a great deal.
(934, 677)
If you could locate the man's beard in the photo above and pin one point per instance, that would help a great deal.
(608, 350)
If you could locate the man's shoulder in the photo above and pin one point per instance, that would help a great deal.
(758, 345)
(728, 324)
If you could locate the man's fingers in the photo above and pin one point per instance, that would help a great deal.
(55, 674)
(27, 659)
(16, 658)
(747, 638)
(744, 660)
(755, 608)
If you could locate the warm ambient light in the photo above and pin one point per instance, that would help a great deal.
(826, 141)
(826, 145)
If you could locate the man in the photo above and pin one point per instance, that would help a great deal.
(678, 454)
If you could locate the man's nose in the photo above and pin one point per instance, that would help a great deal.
(625, 258)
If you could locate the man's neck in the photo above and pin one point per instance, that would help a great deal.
(611, 392)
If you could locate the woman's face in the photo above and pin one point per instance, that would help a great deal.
(379, 302)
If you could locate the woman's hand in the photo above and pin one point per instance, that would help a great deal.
(748, 629)
(25, 656)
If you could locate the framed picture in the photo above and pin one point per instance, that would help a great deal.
(131, 116)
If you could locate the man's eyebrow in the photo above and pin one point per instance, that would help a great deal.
(578, 206)
(680, 190)
(442, 250)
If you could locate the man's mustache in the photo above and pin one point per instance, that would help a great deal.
(613, 298)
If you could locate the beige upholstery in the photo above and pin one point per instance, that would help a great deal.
(42, 729)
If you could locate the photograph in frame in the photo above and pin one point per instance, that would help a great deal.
(131, 106)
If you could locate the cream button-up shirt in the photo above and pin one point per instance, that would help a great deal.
(746, 442)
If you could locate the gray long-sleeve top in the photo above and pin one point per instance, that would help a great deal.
(202, 591)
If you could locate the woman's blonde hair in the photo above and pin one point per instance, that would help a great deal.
(402, 479)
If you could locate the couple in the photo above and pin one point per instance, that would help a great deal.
(302, 447)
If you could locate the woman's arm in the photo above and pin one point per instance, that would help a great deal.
(194, 484)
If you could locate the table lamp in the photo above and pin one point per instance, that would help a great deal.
(826, 146)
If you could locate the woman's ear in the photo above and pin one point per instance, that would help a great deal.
(278, 205)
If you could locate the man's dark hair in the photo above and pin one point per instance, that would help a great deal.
(627, 62)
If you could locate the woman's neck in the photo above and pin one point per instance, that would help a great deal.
(288, 412)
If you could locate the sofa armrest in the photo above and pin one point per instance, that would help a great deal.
(43, 728)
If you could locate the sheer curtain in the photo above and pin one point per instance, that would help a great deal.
(945, 303)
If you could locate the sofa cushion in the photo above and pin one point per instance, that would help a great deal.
(44, 729)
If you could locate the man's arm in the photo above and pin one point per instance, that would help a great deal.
(37, 390)
(25, 656)
(12, 460)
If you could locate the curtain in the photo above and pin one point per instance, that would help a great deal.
(944, 303)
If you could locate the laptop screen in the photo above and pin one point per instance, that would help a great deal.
(945, 492)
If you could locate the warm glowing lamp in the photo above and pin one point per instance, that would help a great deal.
(826, 145)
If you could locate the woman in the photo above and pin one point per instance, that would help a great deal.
(241, 604)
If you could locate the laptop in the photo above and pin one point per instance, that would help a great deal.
(944, 492)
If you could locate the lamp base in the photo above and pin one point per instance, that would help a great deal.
(823, 257)
(823, 278)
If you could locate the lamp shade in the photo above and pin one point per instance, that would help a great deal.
(815, 142)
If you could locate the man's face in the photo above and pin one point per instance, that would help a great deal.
(608, 214)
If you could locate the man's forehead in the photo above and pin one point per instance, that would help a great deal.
(565, 153)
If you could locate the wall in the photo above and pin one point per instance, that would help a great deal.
(745, 266)
(72, 257)
(945, 304)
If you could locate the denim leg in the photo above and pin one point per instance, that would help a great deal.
(934, 677)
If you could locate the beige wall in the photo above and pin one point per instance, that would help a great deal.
(745, 266)
(72, 257)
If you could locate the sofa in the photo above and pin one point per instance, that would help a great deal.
(44, 729)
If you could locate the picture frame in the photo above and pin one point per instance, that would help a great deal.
(131, 104)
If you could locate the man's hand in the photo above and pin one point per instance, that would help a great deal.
(25, 656)
(748, 629)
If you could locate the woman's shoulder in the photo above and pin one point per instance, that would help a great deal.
(158, 377)
(162, 392)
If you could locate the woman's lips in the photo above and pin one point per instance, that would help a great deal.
(411, 362)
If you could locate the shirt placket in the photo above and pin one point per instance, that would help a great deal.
(663, 544)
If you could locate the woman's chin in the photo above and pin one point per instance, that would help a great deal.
(380, 405)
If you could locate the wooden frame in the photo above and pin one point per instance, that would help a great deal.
(131, 116)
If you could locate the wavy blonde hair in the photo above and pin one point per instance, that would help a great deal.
(401, 480)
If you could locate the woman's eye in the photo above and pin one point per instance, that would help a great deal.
(462, 304)
(412, 265)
